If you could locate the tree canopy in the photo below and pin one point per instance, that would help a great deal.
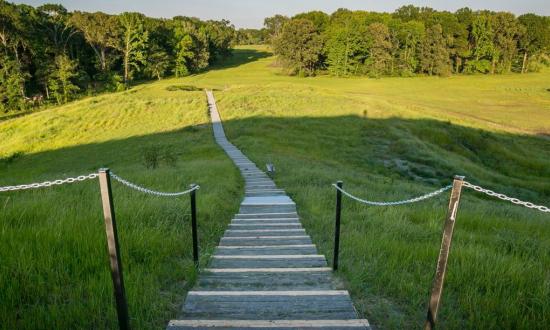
(413, 40)
(51, 55)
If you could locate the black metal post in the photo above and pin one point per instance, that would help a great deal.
(439, 279)
(337, 225)
(114, 251)
(194, 226)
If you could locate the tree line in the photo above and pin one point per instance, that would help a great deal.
(407, 42)
(50, 55)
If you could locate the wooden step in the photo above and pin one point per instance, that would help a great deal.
(265, 281)
(269, 324)
(269, 305)
(266, 249)
(268, 261)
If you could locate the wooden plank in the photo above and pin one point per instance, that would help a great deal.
(267, 270)
(271, 324)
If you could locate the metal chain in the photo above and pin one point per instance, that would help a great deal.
(149, 191)
(406, 201)
(530, 205)
(49, 183)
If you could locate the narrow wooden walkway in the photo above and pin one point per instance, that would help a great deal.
(265, 273)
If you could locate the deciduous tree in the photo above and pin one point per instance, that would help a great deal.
(133, 43)
(298, 46)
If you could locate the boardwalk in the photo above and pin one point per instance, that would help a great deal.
(265, 273)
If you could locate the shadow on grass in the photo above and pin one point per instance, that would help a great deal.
(239, 57)
(309, 153)
(425, 151)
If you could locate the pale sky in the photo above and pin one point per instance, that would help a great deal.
(251, 13)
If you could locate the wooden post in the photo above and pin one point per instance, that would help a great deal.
(337, 225)
(194, 226)
(114, 251)
(437, 287)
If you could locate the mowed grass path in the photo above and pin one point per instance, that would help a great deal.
(54, 271)
(395, 138)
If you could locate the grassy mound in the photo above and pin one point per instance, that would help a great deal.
(387, 139)
(394, 138)
(54, 271)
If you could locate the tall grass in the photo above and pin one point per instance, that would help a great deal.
(387, 139)
(54, 270)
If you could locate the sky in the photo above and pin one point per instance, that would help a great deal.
(251, 13)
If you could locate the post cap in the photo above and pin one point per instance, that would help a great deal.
(459, 177)
(103, 170)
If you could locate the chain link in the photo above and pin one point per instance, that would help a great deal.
(149, 191)
(49, 183)
(516, 201)
(406, 201)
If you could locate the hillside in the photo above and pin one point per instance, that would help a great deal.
(54, 271)
(387, 139)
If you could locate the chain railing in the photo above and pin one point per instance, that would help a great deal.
(393, 203)
(458, 183)
(503, 197)
(104, 176)
(49, 183)
(150, 191)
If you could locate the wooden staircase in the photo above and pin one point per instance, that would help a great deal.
(266, 273)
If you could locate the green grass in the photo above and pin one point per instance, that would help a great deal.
(54, 270)
(388, 139)
(394, 138)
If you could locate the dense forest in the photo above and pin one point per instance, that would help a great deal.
(409, 41)
(50, 55)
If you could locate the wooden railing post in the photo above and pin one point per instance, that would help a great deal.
(437, 287)
(337, 225)
(194, 226)
(114, 251)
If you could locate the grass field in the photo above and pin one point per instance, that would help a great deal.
(387, 139)
(54, 270)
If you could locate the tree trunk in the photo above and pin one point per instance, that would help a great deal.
(102, 59)
(126, 55)
(524, 62)
(493, 65)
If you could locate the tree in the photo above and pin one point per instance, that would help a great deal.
(484, 50)
(380, 46)
(61, 82)
(434, 55)
(347, 43)
(183, 56)
(101, 31)
(11, 80)
(319, 19)
(158, 63)
(134, 42)
(274, 25)
(536, 38)
(298, 47)
(410, 35)
(221, 35)
(507, 32)
(55, 21)
(191, 46)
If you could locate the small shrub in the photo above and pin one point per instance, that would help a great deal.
(151, 157)
(184, 88)
(170, 157)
